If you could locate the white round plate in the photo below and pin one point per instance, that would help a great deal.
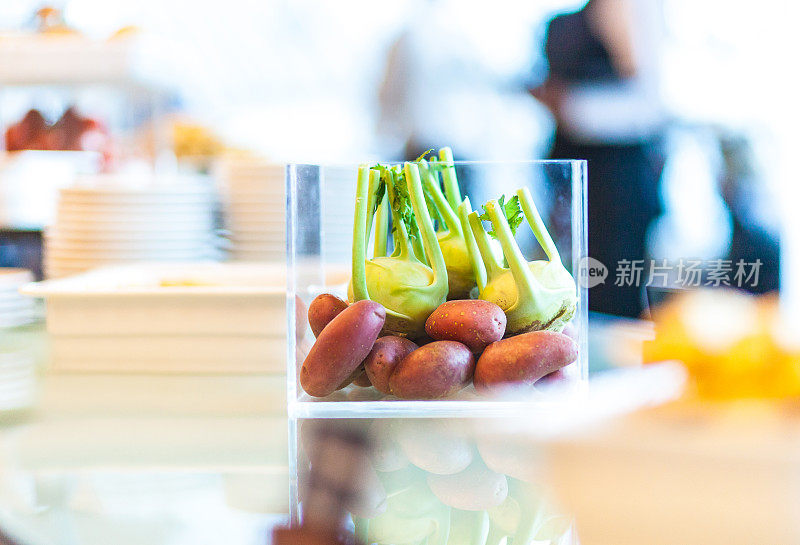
(179, 236)
(10, 277)
(87, 260)
(131, 226)
(124, 208)
(65, 245)
(257, 237)
(166, 216)
(141, 199)
(155, 255)
(88, 191)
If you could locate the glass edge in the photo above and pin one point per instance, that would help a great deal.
(456, 163)
(294, 471)
(580, 185)
(299, 409)
(291, 285)
(467, 409)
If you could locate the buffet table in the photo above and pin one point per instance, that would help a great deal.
(174, 459)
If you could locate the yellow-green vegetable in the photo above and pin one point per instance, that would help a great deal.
(534, 295)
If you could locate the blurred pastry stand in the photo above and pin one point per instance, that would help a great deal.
(89, 109)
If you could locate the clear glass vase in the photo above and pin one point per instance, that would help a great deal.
(320, 219)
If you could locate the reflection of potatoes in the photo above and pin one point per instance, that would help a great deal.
(386, 454)
(299, 319)
(520, 516)
(329, 451)
(513, 457)
(474, 489)
(370, 497)
(400, 482)
(390, 529)
(434, 445)
(412, 514)
(468, 527)
(505, 516)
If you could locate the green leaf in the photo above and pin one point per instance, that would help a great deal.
(511, 210)
(380, 191)
(402, 202)
(421, 157)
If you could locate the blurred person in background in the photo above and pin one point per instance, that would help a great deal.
(448, 81)
(754, 233)
(603, 91)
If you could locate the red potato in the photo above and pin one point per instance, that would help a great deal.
(571, 331)
(352, 378)
(383, 359)
(472, 322)
(434, 371)
(322, 310)
(299, 322)
(522, 360)
(362, 379)
(341, 348)
(555, 376)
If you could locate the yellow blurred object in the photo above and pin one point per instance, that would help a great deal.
(125, 32)
(194, 140)
(730, 343)
(50, 20)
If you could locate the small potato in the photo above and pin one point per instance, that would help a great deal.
(434, 371)
(571, 331)
(472, 322)
(341, 348)
(522, 360)
(351, 378)
(299, 324)
(383, 359)
(362, 379)
(322, 310)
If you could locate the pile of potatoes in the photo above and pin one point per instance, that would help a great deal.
(465, 345)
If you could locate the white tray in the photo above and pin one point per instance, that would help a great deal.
(225, 317)
(169, 354)
(41, 58)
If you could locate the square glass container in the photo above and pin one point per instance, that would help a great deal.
(319, 223)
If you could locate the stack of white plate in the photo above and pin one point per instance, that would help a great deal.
(17, 378)
(110, 223)
(255, 207)
(15, 309)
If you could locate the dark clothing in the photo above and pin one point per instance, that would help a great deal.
(574, 53)
(622, 201)
(623, 195)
